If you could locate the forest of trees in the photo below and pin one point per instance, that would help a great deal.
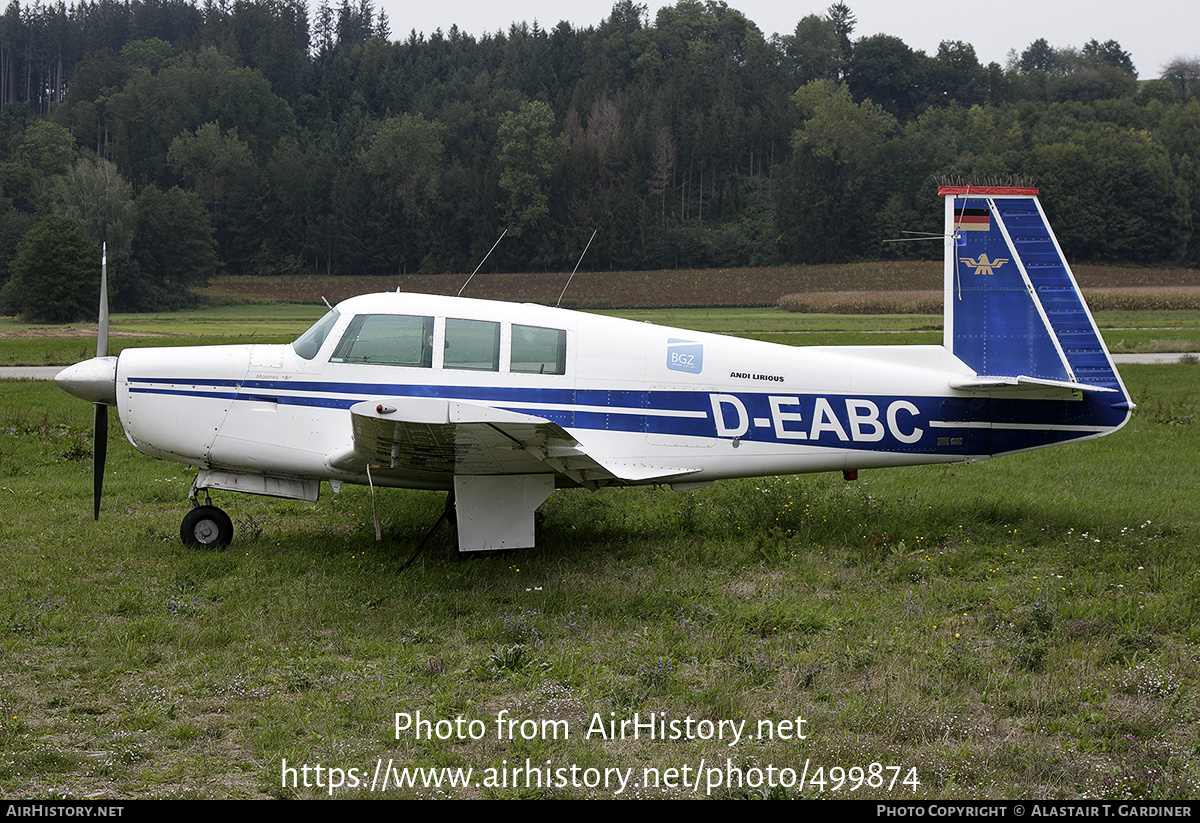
(247, 137)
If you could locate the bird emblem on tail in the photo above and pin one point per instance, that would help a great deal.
(983, 265)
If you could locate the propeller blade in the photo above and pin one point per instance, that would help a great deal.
(100, 411)
(99, 453)
(102, 327)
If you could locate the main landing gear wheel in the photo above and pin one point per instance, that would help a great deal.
(206, 527)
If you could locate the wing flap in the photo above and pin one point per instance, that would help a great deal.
(455, 437)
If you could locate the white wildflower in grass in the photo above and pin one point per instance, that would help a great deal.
(1148, 679)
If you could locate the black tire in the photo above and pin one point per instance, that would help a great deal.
(206, 527)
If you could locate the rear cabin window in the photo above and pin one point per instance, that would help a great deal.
(538, 351)
(472, 344)
(387, 340)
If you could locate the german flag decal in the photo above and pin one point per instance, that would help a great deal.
(972, 220)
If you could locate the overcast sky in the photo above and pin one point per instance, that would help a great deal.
(1152, 31)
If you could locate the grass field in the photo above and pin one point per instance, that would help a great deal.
(1025, 627)
(21, 345)
(726, 288)
(1139, 310)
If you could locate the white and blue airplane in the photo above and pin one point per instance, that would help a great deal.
(500, 404)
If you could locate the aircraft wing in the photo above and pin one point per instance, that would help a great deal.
(457, 437)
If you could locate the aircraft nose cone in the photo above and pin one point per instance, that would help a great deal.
(92, 380)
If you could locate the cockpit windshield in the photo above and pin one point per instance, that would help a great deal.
(308, 344)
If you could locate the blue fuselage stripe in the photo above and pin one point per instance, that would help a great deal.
(950, 425)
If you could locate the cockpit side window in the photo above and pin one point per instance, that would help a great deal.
(308, 344)
(387, 340)
(536, 350)
(472, 344)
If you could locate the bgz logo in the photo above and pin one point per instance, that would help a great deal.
(684, 355)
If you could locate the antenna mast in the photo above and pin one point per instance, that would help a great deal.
(585, 248)
(484, 260)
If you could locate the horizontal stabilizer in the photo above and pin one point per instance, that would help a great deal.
(1021, 382)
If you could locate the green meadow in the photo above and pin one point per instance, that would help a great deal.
(23, 345)
(1023, 627)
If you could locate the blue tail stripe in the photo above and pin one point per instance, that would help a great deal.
(1056, 289)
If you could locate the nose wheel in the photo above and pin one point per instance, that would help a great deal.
(206, 527)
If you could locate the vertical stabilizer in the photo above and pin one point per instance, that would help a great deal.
(1013, 308)
(1015, 315)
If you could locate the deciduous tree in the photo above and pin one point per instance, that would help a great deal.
(405, 157)
(56, 274)
(173, 252)
(530, 147)
(101, 200)
(821, 209)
